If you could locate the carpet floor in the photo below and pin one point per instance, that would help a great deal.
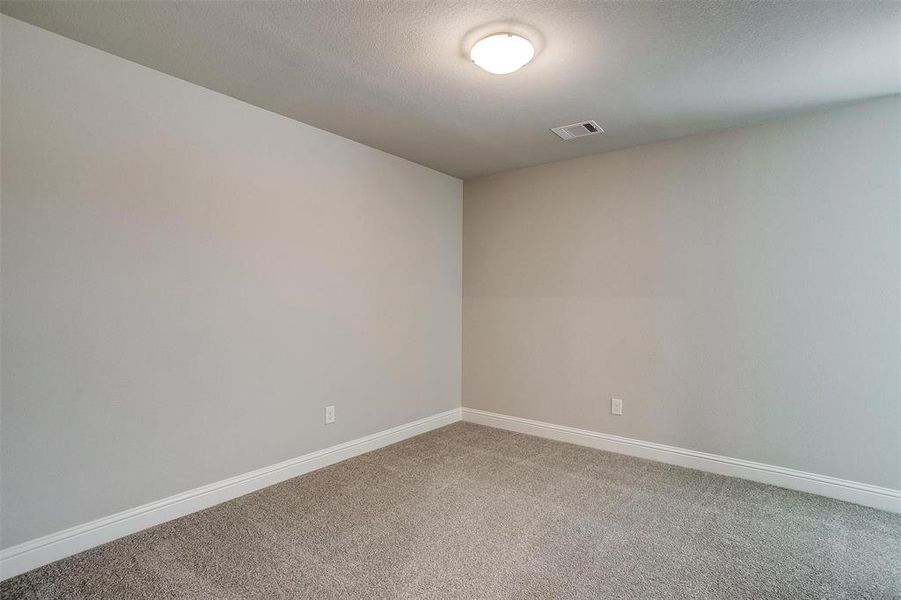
(473, 512)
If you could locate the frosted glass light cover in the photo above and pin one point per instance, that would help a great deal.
(502, 53)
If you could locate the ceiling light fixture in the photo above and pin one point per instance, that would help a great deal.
(502, 53)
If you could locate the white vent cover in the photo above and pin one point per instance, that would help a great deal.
(577, 130)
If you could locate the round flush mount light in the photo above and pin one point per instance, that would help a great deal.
(502, 53)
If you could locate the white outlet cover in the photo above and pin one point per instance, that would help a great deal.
(616, 406)
(329, 414)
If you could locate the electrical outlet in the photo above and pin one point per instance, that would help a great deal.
(329, 414)
(616, 406)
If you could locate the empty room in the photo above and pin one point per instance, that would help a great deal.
(428, 299)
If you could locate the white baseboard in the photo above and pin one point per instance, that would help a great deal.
(35, 553)
(831, 487)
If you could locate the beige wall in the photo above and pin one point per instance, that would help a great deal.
(739, 290)
(188, 280)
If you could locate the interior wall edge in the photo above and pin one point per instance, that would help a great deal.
(882, 498)
(35, 553)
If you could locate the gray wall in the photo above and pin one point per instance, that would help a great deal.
(188, 280)
(740, 292)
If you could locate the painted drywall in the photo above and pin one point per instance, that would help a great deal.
(738, 290)
(187, 281)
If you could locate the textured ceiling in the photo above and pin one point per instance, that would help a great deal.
(394, 75)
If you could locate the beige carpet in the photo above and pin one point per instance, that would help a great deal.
(472, 512)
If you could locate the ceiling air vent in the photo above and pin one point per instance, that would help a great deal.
(577, 130)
